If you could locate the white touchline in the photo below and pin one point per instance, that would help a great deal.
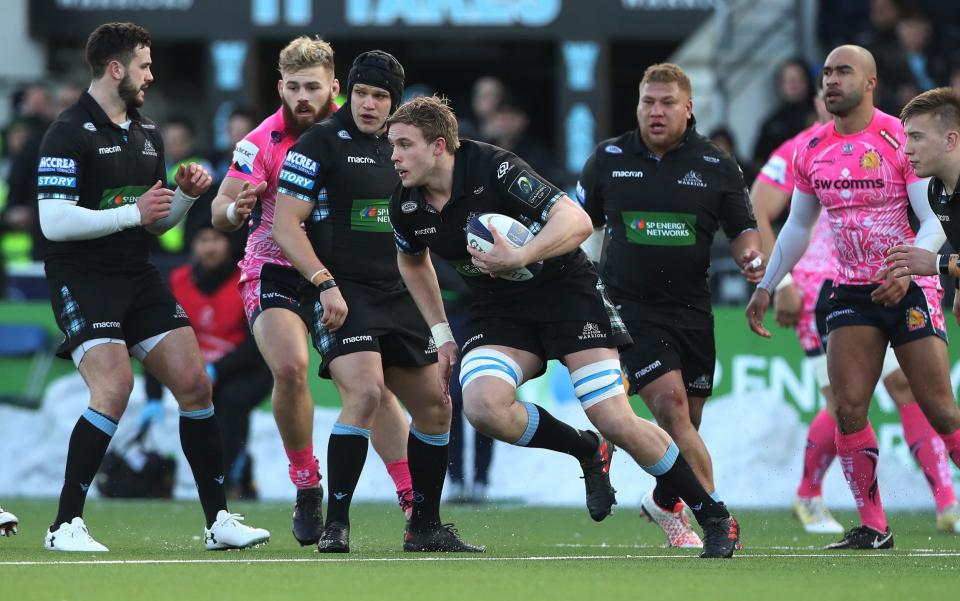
(445, 558)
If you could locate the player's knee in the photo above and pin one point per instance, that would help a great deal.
(944, 417)
(110, 395)
(362, 400)
(597, 382)
(291, 374)
(193, 390)
(851, 417)
(432, 418)
(485, 412)
(671, 409)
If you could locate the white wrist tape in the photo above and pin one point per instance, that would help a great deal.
(442, 334)
(232, 216)
(786, 281)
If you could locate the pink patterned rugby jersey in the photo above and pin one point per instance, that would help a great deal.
(861, 181)
(258, 158)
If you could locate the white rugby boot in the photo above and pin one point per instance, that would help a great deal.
(72, 536)
(815, 517)
(948, 520)
(228, 533)
(8, 523)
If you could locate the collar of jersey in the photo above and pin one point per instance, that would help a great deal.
(98, 116)
(639, 147)
(344, 117)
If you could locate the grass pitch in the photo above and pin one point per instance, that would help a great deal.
(533, 553)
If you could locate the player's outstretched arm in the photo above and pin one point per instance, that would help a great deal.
(293, 241)
(793, 239)
(234, 202)
(789, 247)
(421, 280)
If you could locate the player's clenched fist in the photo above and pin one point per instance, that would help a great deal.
(756, 309)
(155, 203)
(334, 309)
(193, 179)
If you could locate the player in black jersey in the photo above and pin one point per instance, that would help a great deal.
(662, 191)
(101, 193)
(931, 122)
(337, 180)
(515, 327)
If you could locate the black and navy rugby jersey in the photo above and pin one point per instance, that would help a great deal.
(486, 179)
(661, 214)
(348, 176)
(88, 159)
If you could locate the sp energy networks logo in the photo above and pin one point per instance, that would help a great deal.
(660, 229)
(124, 195)
(370, 215)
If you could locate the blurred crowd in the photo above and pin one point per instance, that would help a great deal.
(494, 115)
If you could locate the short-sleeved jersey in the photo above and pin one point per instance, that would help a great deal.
(486, 179)
(861, 180)
(347, 176)
(258, 158)
(661, 214)
(88, 159)
(819, 262)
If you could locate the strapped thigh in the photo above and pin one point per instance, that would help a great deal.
(597, 381)
(485, 361)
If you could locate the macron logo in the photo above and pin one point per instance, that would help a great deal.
(627, 174)
(361, 160)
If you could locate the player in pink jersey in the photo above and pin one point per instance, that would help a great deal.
(855, 168)
(269, 283)
(802, 302)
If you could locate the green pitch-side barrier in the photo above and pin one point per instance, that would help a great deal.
(747, 365)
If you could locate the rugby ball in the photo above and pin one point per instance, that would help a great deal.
(516, 234)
